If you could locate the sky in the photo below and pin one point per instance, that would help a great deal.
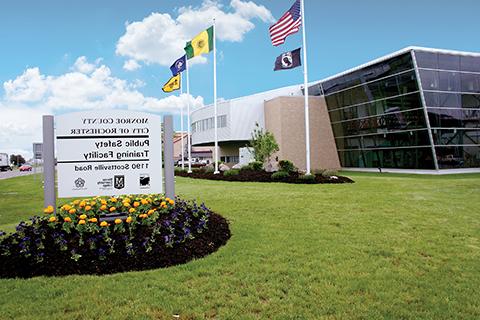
(60, 56)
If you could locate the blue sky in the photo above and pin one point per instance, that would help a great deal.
(52, 35)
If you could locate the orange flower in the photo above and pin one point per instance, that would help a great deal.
(127, 200)
(93, 203)
(103, 202)
(171, 202)
(48, 210)
(88, 208)
(81, 221)
(83, 216)
(103, 224)
(76, 202)
(163, 204)
(136, 204)
(118, 221)
(94, 220)
(150, 212)
(104, 207)
(143, 215)
(72, 211)
(67, 219)
(66, 207)
(113, 199)
(144, 201)
(129, 219)
(131, 210)
(52, 219)
(112, 209)
(126, 204)
(167, 199)
(82, 204)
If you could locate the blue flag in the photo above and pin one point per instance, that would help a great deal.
(179, 66)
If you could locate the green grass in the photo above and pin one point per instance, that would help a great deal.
(387, 247)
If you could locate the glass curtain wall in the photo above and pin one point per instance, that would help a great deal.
(451, 87)
(378, 118)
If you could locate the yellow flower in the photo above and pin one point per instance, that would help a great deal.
(167, 199)
(150, 212)
(131, 210)
(48, 210)
(136, 204)
(67, 219)
(143, 215)
(144, 201)
(72, 211)
(104, 207)
(103, 202)
(129, 219)
(81, 221)
(76, 202)
(93, 203)
(113, 199)
(83, 216)
(126, 204)
(88, 208)
(118, 221)
(127, 200)
(94, 220)
(112, 209)
(66, 207)
(52, 219)
(171, 202)
(163, 204)
(103, 224)
(82, 204)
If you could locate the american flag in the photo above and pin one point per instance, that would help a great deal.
(288, 24)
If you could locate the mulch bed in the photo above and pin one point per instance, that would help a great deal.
(262, 176)
(59, 263)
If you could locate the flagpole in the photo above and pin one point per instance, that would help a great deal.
(189, 146)
(215, 96)
(181, 122)
(305, 83)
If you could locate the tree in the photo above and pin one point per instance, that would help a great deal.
(17, 159)
(263, 144)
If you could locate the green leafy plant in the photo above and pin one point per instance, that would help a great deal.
(307, 178)
(287, 166)
(280, 175)
(263, 144)
(231, 172)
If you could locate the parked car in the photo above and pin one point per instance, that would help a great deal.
(26, 167)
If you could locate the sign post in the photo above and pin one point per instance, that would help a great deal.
(37, 155)
(168, 150)
(49, 198)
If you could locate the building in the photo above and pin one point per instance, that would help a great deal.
(417, 108)
(198, 153)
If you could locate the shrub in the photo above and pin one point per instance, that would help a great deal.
(318, 172)
(329, 173)
(231, 172)
(180, 170)
(81, 238)
(208, 169)
(287, 166)
(256, 166)
(307, 178)
(280, 175)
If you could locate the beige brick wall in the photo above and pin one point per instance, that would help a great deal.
(285, 118)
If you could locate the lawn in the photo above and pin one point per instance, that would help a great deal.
(386, 247)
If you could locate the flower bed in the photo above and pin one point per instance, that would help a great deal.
(108, 235)
(248, 175)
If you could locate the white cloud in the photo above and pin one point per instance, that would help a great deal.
(131, 65)
(160, 39)
(89, 86)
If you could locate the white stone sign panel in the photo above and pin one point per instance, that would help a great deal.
(110, 152)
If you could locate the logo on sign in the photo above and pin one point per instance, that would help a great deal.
(144, 181)
(119, 182)
(79, 183)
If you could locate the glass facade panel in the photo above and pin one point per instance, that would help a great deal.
(470, 82)
(404, 158)
(468, 63)
(450, 157)
(454, 118)
(456, 136)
